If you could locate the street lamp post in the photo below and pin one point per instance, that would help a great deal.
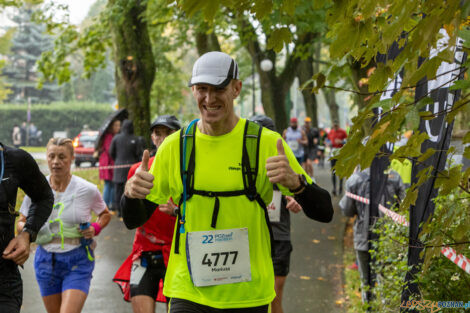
(266, 65)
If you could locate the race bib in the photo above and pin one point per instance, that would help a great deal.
(218, 257)
(137, 272)
(274, 209)
(293, 144)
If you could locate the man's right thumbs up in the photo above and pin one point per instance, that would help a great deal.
(145, 161)
(280, 147)
(139, 185)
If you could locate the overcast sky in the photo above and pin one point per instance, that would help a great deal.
(78, 9)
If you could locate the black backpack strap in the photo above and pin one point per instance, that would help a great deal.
(268, 223)
(250, 166)
(187, 164)
(250, 157)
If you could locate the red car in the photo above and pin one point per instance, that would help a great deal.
(84, 145)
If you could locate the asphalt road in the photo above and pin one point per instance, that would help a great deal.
(313, 285)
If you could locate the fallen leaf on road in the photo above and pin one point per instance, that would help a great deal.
(320, 278)
(315, 241)
(107, 237)
(339, 302)
(305, 277)
(331, 237)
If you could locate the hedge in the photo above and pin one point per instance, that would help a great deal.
(64, 116)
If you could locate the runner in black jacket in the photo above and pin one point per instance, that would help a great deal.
(18, 169)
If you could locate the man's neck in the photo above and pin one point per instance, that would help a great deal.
(218, 129)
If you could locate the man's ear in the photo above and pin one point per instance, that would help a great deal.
(237, 87)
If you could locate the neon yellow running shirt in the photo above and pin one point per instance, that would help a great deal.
(218, 168)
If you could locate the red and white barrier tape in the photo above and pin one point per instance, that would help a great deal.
(107, 167)
(460, 260)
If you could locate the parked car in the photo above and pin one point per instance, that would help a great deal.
(84, 145)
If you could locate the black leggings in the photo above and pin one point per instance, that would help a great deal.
(333, 177)
(185, 306)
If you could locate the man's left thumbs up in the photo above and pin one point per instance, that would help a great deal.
(279, 171)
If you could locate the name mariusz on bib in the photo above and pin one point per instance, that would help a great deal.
(218, 257)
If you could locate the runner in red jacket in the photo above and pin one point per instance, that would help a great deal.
(141, 275)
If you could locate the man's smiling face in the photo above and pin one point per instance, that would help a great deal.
(216, 104)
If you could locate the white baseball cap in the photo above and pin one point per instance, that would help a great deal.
(214, 68)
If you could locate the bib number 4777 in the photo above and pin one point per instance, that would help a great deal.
(218, 257)
(225, 256)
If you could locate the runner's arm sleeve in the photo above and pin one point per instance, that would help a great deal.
(316, 203)
(35, 185)
(135, 212)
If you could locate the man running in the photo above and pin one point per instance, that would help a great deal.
(311, 146)
(221, 254)
(140, 275)
(19, 170)
(337, 138)
(295, 139)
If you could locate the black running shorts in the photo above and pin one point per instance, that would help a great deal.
(148, 285)
(281, 258)
(185, 306)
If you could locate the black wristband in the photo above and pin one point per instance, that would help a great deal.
(303, 183)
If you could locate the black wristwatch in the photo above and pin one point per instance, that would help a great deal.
(303, 183)
(32, 234)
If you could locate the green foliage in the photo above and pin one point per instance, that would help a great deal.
(278, 39)
(53, 117)
(440, 279)
(390, 252)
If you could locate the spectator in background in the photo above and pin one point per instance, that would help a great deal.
(23, 133)
(126, 148)
(16, 136)
(106, 160)
(359, 184)
(32, 130)
(336, 137)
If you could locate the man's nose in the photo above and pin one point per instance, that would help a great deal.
(210, 96)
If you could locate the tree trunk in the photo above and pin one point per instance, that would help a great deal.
(332, 105)
(304, 73)
(135, 65)
(206, 42)
(274, 88)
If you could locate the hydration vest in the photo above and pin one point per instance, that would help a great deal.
(250, 163)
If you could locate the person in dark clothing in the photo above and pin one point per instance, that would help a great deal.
(126, 148)
(23, 133)
(309, 148)
(279, 217)
(359, 184)
(19, 170)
